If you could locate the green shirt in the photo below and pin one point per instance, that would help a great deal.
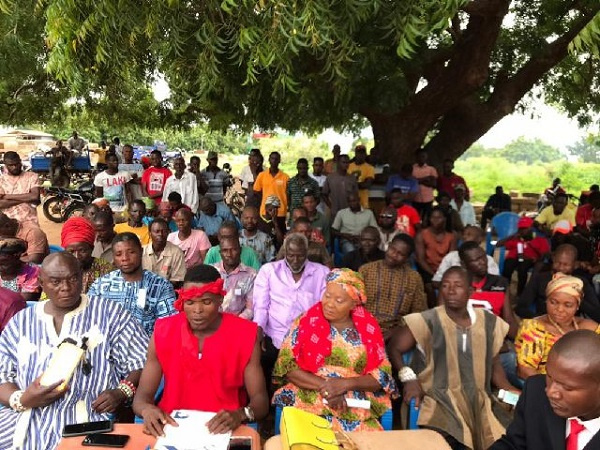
(248, 257)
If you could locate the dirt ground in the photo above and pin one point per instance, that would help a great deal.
(51, 229)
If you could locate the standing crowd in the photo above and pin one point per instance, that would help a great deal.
(312, 297)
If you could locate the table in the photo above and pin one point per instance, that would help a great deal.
(139, 441)
(384, 440)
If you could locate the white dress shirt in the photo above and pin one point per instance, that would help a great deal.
(591, 428)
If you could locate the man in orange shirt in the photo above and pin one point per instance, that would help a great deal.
(272, 182)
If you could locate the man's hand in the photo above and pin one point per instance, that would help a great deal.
(38, 396)
(338, 403)
(224, 421)
(155, 420)
(412, 389)
(108, 401)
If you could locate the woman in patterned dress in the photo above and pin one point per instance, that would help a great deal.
(16, 275)
(537, 336)
(333, 352)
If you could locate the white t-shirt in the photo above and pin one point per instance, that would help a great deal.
(113, 188)
(246, 177)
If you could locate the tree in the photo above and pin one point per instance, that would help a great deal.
(530, 151)
(587, 149)
(438, 73)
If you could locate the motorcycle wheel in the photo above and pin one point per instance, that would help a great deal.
(52, 208)
(73, 210)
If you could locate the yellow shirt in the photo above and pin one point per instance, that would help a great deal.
(363, 172)
(276, 185)
(141, 232)
(548, 218)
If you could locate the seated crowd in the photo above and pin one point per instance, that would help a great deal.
(316, 298)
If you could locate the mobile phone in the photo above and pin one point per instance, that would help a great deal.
(80, 429)
(105, 440)
(240, 443)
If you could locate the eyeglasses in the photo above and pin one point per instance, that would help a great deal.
(386, 216)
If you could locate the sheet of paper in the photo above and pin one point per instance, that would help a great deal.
(355, 403)
(192, 434)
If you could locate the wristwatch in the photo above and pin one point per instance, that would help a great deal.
(249, 414)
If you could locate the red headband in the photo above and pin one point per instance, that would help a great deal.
(183, 295)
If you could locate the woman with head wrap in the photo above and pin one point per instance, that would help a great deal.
(333, 352)
(537, 336)
(16, 275)
(78, 237)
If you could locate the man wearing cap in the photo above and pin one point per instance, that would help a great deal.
(273, 182)
(465, 208)
(558, 210)
(271, 223)
(523, 250)
(216, 180)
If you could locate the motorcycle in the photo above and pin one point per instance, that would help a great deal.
(60, 204)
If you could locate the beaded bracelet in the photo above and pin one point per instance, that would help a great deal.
(127, 388)
(15, 401)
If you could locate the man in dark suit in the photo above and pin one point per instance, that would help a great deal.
(560, 411)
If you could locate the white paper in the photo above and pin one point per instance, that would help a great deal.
(355, 403)
(192, 434)
(141, 298)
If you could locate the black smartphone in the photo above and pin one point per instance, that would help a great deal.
(80, 429)
(240, 443)
(105, 440)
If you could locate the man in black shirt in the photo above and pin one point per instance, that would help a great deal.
(497, 203)
(367, 252)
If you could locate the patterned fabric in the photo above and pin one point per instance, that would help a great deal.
(347, 359)
(533, 344)
(147, 300)
(314, 343)
(98, 269)
(392, 292)
(22, 184)
(26, 346)
(565, 284)
(298, 188)
(352, 282)
(456, 379)
(215, 181)
(239, 284)
(26, 281)
(261, 243)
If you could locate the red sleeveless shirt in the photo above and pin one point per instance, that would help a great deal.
(210, 381)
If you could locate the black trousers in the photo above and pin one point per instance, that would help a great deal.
(424, 210)
(522, 268)
(267, 361)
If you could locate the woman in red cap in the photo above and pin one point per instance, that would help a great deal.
(77, 237)
(523, 251)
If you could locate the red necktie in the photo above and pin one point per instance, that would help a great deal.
(573, 437)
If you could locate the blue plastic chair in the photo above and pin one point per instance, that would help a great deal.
(505, 224)
(386, 420)
(56, 249)
(413, 412)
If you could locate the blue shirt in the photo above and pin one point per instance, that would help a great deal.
(408, 185)
(211, 224)
(148, 221)
(147, 300)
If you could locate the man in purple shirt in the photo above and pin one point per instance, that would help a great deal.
(283, 290)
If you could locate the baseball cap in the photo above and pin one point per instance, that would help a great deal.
(562, 227)
(525, 222)
(273, 200)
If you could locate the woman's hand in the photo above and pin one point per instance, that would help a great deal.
(412, 389)
(108, 401)
(334, 387)
(155, 420)
(38, 396)
(338, 403)
(224, 421)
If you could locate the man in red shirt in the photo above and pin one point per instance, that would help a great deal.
(155, 177)
(583, 218)
(408, 220)
(448, 180)
(523, 250)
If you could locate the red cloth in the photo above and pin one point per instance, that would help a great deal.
(314, 338)
(573, 438)
(487, 299)
(447, 184)
(583, 218)
(408, 217)
(193, 293)
(534, 249)
(77, 229)
(154, 180)
(212, 382)
(10, 304)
